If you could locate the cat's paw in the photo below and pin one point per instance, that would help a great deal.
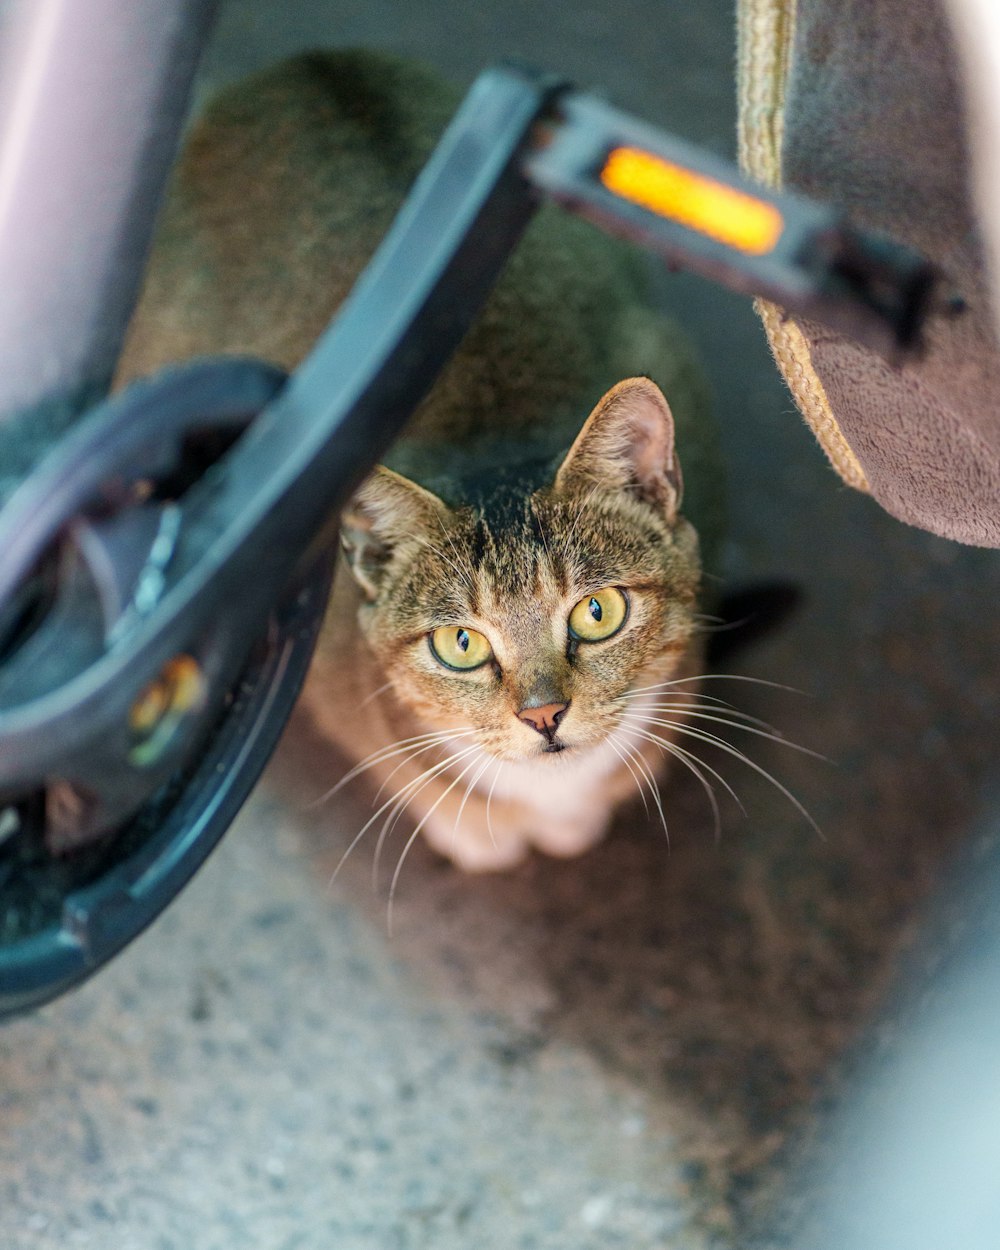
(572, 837)
(475, 848)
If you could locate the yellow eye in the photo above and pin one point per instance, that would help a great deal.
(599, 615)
(457, 647)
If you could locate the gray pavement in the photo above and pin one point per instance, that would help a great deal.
(630, 1049)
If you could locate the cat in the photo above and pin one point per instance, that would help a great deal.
(515, 619)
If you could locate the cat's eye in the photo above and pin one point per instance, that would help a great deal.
(457, 647)
(599, 615)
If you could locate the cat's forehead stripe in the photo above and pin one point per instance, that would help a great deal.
(505, 549)
(525, 546)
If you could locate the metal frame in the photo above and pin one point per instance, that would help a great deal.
(237, 540)
(93, 96)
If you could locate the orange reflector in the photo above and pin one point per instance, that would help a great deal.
(712, 208)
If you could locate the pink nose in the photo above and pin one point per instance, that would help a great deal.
(545, 719)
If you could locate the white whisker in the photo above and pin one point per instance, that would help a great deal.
(385, 753)
(367, 825)
(613, 744)
(457, 565)
(705, 703)
(402, 799)
(574, 528)
(465, 798)
(699, 768)
(489, 799)
(714, 740)
(374, 695)
(413, 837)
(695, 762)
(442, 741)
(461, 573)
(768, 731)
(533, 508)
(653, 788)
(680, 681)
(696, 698)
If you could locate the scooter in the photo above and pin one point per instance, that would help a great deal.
(166, 560)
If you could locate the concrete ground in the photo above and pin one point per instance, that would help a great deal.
(630, 1049)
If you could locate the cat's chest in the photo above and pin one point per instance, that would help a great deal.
(560, 803)
(557, 785)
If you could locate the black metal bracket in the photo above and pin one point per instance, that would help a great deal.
(146, 553)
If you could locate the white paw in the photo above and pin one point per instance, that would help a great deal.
(572, 837)
(474, 848)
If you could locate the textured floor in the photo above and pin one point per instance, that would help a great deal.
(625, 1050)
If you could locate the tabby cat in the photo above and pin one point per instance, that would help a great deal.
(518, 596)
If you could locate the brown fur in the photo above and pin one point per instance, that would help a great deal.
(484, 520)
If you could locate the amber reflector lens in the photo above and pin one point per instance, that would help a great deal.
(712, 208)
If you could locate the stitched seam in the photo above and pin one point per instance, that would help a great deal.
(765, 34)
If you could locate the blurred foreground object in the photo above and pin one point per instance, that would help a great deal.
(862, 104)
(909, 1162)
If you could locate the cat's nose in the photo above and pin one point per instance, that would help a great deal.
(544, 719)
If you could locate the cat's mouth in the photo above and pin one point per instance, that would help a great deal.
(555, 747)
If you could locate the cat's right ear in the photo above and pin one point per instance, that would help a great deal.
(386, 509)
(627, 443)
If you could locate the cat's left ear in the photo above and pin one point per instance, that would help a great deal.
(387, 509)
(627, 443)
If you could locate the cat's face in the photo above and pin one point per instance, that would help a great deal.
(528, 622)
